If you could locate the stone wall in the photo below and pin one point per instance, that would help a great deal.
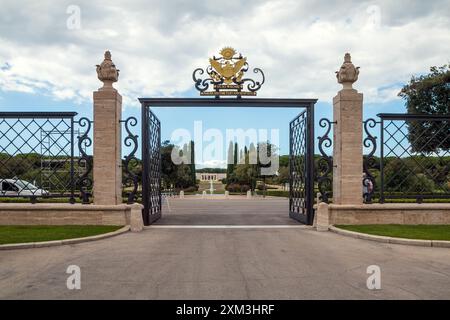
(69, 214)
(388, 213)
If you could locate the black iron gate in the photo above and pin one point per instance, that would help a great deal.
(151, 166)
(301, 199)
(301, 167)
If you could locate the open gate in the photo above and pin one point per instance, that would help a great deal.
(301, 167)
(151, 166)
(301, 153)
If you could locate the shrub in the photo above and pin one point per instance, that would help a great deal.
(261, 187)
(191, 189)
(235, 187)
(274, 193)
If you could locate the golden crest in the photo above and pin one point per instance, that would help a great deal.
(226, 76)
(227, 67)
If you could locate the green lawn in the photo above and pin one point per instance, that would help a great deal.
(20, 234)
(424, 232)
(274, 193)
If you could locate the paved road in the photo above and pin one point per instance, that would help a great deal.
(227, 263)
(220, 211)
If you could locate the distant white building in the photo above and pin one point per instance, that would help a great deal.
(210, 176)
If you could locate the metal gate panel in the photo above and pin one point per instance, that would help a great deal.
(151, 166)
(301, 167)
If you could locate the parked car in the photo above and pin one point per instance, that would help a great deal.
(17, 187)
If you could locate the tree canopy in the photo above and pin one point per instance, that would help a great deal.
(428, 94)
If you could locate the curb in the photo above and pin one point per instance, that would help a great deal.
(227, 226)
(53, 243)
(404, 241)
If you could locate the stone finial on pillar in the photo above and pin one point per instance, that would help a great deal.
(107, 169)
(107, 72)
(348, 73)
(347, 138)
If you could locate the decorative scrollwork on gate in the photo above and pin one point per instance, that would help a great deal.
(325, 162)
(203, 84)
(84, 182)
(253, 85)
(369, 160)
(131, 178)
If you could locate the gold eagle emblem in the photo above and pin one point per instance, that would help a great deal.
(226, 76)
(227, 67)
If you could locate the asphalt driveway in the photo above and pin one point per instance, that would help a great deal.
(265, 256)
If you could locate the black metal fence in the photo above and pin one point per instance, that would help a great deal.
(406, 158)
(45, 155)
(414, 157)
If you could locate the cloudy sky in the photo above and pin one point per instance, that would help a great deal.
(48, 56)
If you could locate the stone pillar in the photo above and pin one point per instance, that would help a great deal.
(107, 137)
(347, 138)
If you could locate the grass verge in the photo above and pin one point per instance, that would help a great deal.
(22, 234)
(422, 232)
(274, 193)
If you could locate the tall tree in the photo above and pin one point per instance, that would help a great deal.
(268, 151)
(174, 175)
(246, 154)
(230, 161)
(192, 147)
(428, 94)
(253, 164)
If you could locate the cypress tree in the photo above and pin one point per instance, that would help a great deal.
(192, 146)
(230, 161)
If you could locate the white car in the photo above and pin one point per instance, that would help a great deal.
(17, 187)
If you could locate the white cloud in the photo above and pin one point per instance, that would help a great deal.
(157, 44)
